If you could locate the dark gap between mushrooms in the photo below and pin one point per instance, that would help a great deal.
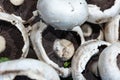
(22, 77)
(87, 72)
(50, 35)
(14, 40)
(103, 4)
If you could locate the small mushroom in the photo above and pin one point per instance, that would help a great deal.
(92, 31)
(102, 11)
(112, 30)
(17, 2)
(16, 21)
(64, 49)
(107, 64)
(34, 69)
(2, 44)
(83, 55)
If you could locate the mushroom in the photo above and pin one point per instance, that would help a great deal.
(34, 69)
(17, 2)
(107, 64)
(69, 16)
(102, 11)
(36, 39)
(16, 21)
(23, 8)
(112, 30)
(2, 43)
(92, 31)
(83, 55)
(63, 48)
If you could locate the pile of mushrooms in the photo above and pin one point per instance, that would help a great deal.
(96, 25)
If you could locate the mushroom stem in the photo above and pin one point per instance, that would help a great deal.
(17, 2)
(64, 49)
(2, 44)
(112, 30)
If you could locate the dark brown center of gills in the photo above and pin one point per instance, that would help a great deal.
(14, 40)
(22, 78)
(103, 4)
(118, 61)
(50, 35)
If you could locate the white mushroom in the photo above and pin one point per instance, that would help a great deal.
(36, 38)
(96, 15)
(107, 63)
(31, 68)
(112, 30)
(64, 15)
(63, 48)
(2, 44)
(17, 21)
(83, 55)
(17, 2)
(92, 31)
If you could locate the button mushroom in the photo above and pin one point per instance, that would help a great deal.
(36, 40)
(34, 69)
(16, 21)
(109, 10)
(107, 64)
(83, 55)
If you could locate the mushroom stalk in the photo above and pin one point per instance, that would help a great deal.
(112, 30)
(2, 44)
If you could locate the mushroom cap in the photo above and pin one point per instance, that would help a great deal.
(64, 49)
(107, 63)
(32, 68)
(98, 16)
(17, 22)
(2, 44)
(63, 14)
(83, 55)
(17, 2)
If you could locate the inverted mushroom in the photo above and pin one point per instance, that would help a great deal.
(31, 68)
(110, 10)
(16, 22)
(83, 55)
